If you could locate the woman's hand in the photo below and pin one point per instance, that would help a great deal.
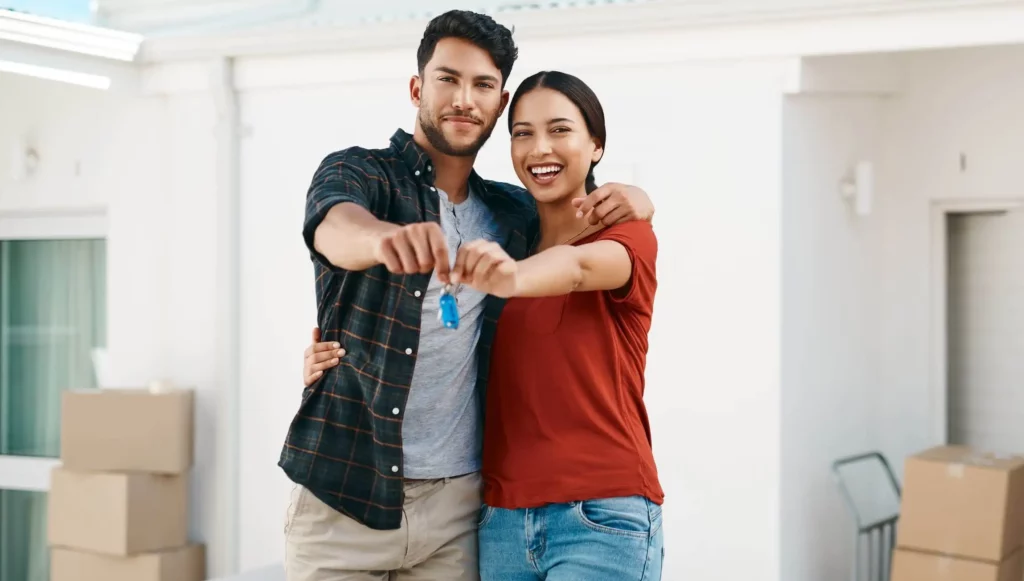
(486, 267)
(318, 357)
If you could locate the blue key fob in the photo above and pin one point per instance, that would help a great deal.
(448, 310)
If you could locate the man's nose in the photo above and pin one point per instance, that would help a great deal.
(463, 99)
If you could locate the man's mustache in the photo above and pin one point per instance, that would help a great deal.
(476, 120)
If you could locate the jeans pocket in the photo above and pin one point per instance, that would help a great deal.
(628, 516)
(484, 515)
(656, 517)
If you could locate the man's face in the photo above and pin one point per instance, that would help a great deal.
(459, 97)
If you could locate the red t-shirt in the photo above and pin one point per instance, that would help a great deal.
(565, 417)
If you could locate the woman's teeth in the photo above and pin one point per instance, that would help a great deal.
(546, 170)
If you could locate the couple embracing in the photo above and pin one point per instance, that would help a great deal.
(474, 405)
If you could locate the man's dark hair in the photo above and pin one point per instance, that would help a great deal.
(476, 28)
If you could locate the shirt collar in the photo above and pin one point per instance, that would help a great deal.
(419, 161)
(413, 155)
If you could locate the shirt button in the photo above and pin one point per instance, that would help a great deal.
(417, 293)
(395, 411)
(408, 351)
(433, 189)
(394, 468)
(429, 168)
(417, 172)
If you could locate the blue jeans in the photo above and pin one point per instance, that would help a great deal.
(609, 539)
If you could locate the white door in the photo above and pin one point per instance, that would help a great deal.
(986, 330)
(52, 316)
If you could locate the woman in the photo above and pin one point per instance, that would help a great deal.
(571, 490)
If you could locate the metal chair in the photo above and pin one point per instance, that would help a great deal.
(876, 533)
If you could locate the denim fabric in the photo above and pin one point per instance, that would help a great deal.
(610, 539)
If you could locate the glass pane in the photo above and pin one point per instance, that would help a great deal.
(24, 555)
(52, 315)
(73, 10)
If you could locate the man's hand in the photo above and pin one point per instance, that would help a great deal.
(486, 267)
(615, 203)
(319, 356)
(415, 248)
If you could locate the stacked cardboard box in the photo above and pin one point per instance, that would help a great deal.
(118, 504)
(962, 517)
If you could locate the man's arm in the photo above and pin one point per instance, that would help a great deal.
(342, 230)
(349, 236)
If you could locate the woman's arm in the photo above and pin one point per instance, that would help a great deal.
(600, 265)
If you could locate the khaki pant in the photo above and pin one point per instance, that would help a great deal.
(436, 542)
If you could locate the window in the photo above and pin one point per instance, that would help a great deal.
(73, 10)
(52, 319)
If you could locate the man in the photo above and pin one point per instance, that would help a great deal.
(385, 447)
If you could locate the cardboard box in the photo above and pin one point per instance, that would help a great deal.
(117, 513)
(909, 565)
(963, 503)
(184, 564)
(127, 430)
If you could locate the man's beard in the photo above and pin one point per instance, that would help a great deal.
(438, 141)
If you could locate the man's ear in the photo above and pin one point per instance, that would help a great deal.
(504, 102)
(415, 87)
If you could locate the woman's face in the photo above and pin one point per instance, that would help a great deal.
(551, 147)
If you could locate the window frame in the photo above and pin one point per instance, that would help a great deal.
(32, 473)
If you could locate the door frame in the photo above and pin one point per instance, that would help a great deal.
(29, 472)
(938, 348)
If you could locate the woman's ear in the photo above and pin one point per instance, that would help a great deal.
(598, 152)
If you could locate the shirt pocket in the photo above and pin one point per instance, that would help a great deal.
(544, 316)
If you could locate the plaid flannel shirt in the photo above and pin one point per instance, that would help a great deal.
(345, 442)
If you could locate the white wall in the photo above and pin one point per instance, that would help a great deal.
(829, 362)
(149, 165)
(710, 159)
(857, 361)
(955, 102)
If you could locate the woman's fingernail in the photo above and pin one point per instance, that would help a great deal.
(336, 345)
(341, 352)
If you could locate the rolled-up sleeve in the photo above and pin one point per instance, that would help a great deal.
(341, 177)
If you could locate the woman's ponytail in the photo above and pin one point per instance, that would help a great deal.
(591, 184)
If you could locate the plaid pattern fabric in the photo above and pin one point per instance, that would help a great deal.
(345, 442)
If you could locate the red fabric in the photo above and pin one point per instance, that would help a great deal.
(565, 416)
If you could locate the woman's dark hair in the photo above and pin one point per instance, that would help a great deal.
(476, 28)
(576, 91)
